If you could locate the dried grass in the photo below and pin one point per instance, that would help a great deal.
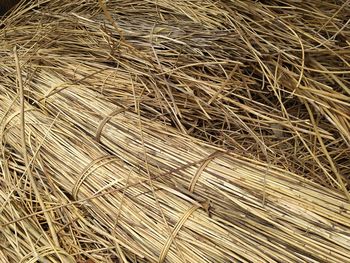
(135, 196)
(256, 94)
(270, 81)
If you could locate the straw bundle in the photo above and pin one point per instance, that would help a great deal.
(275, 207)
(150, 193)
(127, 218)
(270, 81)
(239, 224)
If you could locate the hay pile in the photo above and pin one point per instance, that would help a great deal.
(175, 131)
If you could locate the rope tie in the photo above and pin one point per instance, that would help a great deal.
(105, 120)
(104, 160)
(175, 231)
(200, 171)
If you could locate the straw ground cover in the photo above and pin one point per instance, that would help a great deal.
(269, 80)
(193, 67)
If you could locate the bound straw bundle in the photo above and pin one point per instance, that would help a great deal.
(252, 205)
(137, 218)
